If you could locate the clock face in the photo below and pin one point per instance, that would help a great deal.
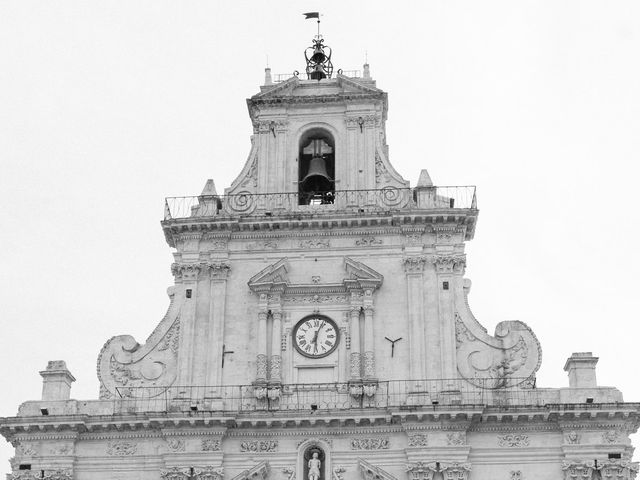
(315, 336)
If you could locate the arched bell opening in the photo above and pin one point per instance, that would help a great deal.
(316, 168)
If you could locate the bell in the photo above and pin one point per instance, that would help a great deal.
(318, 55)
(317, 168)
(318, 73)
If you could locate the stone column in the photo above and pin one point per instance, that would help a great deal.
(354, 327)
(218, 272)
(261, 359)
(413, 267)
(275, 374)
(369, 356)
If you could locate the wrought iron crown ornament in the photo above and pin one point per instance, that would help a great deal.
(318, 58)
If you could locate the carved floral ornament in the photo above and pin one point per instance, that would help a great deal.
(121, 449)
(513, 440)
(62, 474)
(608, 469)
(453, 263)
(259, 446)
(376, 443)
(192, 473)
(427, 470)
(191, 271)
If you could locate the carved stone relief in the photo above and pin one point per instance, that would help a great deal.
(122, 449)
(207, 473)
(210, 445)
(379, 443)
(290, 473)
(516, 475)
(611, 436)
(413, 264)
(259, 446)
(572, 437)
(27, 450)
(418, 440)
(456, 438)
(313, 244)
(175, 473)
(176, 445)
(368, 241)
(454, 263)
(513, 440)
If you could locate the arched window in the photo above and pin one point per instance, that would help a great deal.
(316, 168)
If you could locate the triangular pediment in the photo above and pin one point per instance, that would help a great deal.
(259, 472)
(361, 272)
(273, 274)
(296, 87)
(373, 472)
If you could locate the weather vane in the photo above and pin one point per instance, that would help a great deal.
(318, 56)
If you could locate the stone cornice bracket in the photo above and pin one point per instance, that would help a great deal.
(578, 470)
(372, 472)
(414, 264)
(218, 270)
(450, 263)
(259, 472)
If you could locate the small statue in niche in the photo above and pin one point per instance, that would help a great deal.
(314, 467)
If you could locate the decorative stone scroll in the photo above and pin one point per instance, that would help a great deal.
(513, 440)
(418, 440)
(122, 449)
(427, 470)
(210, 445)
(376, 443)
(124, 365)
(176, 473)
(176, 445)
(207, 473)
(259, 446)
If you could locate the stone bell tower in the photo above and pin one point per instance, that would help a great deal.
(319, 329)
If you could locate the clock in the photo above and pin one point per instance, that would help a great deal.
(315, 336)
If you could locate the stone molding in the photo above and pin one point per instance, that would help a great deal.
(259, 472)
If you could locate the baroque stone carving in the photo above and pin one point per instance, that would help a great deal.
(290, 472)
(578, 470)
(413, 264)
(572, 437)
(267, 245)
(261, 366)
(338, 472)
(121, 449)
(617, 470)
(516, 475)
(427, 470)
(27, 450)
(456, 438)
(124, 366)
(317, 299)
(418, 440)
(210, 445)
(376, 443)
(207, 473)
(513, 440)
(176, 445)
(368, 241)
(60, 450)
(312, 244)
(275, 364)
(175, 473)
(369, 365)
(449, 263)
(509, 358)
(259, 446)
(354, 364)
(610, 436)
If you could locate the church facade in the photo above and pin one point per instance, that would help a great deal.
(319, 329)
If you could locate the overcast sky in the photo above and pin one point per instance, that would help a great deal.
(107, 107)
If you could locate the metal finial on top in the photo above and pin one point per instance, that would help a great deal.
(318, 56)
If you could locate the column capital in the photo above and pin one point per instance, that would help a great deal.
(414, 264)
(449, 263)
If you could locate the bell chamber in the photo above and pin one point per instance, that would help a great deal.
(316, 168)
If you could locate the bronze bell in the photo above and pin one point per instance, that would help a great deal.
(318, 73)
(318, 54)
(317, 168)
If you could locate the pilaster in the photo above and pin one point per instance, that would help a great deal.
(413, 268)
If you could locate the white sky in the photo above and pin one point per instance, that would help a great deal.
(108, 107)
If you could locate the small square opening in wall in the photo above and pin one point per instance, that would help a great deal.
(613, 456)
(188, 293)
(24, 466)
(445, 285)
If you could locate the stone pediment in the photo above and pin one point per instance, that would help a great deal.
(274, 279)
(373, 472)
(295, 87)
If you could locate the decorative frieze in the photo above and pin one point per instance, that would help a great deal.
(578, 470)
(176, 445)
(427, 470)
(259, 446)
(210, 445)
(338, 472)
(456, 438)
(572, 438)
(611, 436)
(375, 443)
(63, 474)
(354, 364)
(189, 272)
(316, 299)
(261, 366)
(207, 473)
(418, 440)
(368, 241)
(175, 473)
(314, 244)
(122, 449)
(369, 365)
(61, 450)
(26, 449)
(266, 245)
(513, 440)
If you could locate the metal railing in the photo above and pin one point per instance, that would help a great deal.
(401, 394)
(388, 199)
(283, 77)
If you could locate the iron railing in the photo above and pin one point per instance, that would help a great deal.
(401, 394)
(282, 77)
(388, 199)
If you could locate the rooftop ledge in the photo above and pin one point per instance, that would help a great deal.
(439, 204)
